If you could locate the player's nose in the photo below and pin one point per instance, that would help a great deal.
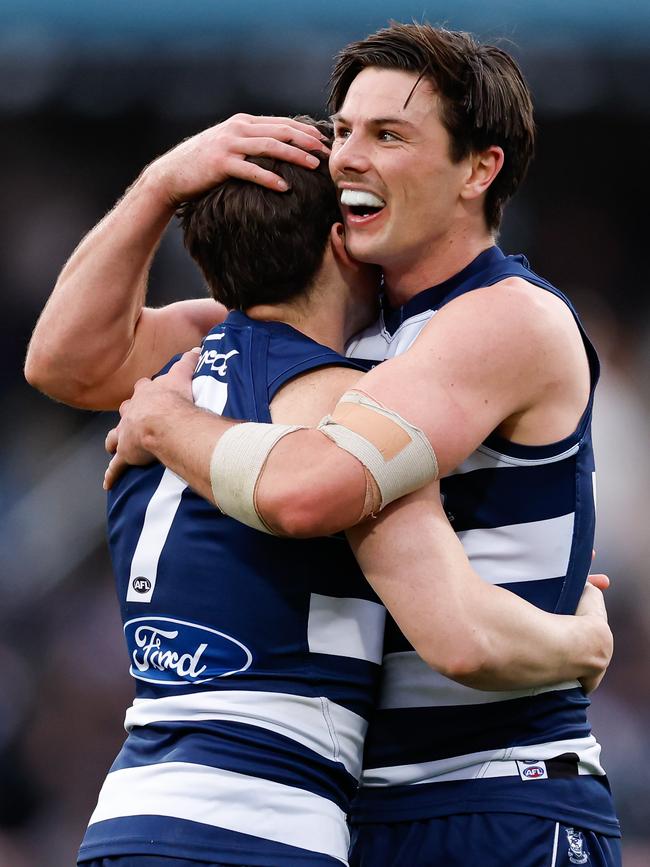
(349, 156)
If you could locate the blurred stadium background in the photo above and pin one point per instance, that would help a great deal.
(89, 93)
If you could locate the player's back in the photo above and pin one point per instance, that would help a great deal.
(255, 658)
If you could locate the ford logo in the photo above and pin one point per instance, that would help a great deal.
(174, 652)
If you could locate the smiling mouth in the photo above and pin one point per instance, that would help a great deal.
(361, 203)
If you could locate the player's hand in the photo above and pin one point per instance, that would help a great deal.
(220, 152)
(600, 581)
(592, 604)
(142, 415)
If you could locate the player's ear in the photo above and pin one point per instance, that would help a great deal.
(483, 169)
(337, 243)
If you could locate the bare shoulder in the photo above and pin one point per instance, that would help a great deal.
(311, 395)
(509, 320)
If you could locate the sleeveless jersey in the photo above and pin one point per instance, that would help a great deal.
(255, 658)
(525, 516)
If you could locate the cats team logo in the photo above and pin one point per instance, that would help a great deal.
(577, 852)
(175, 652)
(213, 359)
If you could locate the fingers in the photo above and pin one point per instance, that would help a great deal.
(302, 135)
(298, 125)
(600, 581)
(237, 166)
(112, 438)
(114, 470)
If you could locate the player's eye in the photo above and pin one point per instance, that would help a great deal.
(341, 132)
(387, 135)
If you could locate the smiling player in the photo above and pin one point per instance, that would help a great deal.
(434, 133)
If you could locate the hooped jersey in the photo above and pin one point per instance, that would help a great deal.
(255, 658)
(525, 516)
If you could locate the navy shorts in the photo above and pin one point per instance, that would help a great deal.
(150, 861)
(485, 839)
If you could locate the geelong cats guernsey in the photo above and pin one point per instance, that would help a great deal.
(525, 516)
(255, 658)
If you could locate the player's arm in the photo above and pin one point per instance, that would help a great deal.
(497, 358)
(95, 338)
(471, 631)
(475, 633)
(494, 354)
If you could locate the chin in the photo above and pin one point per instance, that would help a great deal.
(364, 250)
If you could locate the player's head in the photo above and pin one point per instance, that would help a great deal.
(454, 92)
(256, 246)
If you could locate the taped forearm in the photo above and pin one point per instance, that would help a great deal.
(393, 455)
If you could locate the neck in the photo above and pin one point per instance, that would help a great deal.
(319, 316)
(406, 278)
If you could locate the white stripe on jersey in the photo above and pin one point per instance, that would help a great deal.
(224, 799)
(488, 763)
(323, 726)
(346, 627)
(409, 682)
(532, 551)
(485, 458)
(158, 519)
(210, 394)
(377, 343)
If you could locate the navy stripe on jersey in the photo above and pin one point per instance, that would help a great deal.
(496, 497)
(229, 745)
(102, 840)
(405, 735)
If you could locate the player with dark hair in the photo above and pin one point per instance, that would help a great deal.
(433, 133)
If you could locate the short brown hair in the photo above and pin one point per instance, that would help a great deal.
(484, 98)
(258, 246)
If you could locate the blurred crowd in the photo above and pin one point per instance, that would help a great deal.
(581, 220)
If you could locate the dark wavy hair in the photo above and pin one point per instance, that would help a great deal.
(484, 97)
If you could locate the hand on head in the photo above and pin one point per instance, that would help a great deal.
(210, 157)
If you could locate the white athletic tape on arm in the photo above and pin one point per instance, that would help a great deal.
(236, 464)
(397, 454)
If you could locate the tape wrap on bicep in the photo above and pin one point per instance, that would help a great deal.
(398, 455)
(236, 465)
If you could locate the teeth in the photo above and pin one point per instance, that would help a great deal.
(361, 197)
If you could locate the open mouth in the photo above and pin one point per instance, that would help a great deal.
(361, 203)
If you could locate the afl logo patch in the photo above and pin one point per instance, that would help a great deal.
(141, 585)
(529, 770)
(533, 772)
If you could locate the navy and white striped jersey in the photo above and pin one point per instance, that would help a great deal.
(525, 516)
(255, 658)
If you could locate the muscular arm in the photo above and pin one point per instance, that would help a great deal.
(95, 338)
(495, 359)
(506, 358)
(469, 630)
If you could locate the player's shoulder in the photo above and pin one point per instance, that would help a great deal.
(514, 307)
(306, 398)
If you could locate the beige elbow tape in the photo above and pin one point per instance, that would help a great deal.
(236, 465)
(397, 454)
